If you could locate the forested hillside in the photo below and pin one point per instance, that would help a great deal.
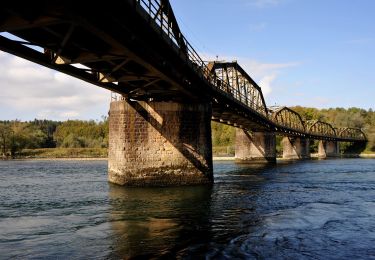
(223, 136)
(16, 136)
(341, 117)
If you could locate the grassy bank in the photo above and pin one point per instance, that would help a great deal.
(225, 150)
(63, 153)
(218, 152)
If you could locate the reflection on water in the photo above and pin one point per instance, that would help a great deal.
(181, 221)
(308, 209)
(151, 221)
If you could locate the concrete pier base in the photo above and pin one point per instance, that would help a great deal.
(159, 143)
(328, 149)
(255, 147)
(295, 148)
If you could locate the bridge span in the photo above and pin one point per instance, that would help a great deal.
(160, 132)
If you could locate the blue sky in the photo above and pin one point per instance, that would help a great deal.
(311, 53)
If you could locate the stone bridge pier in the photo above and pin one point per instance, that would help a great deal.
(256, 147)
(159, 143)
(295, 148)
(328, 149)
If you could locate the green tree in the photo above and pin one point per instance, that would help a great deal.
(82, 134)
(5, 139)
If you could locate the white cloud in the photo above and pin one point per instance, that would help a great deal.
(69, 114)
(257, 69)
(29, 90)
(257, 27)
(265, 74)
(263, 3)
(361, 41)
(265, 83)
(321, 101)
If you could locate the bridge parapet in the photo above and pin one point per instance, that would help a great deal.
(235, 82)
(225, 76)
(161, 12)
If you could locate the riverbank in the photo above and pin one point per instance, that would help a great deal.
(367, 155)
(88, 154)
(313, 156)
(214, 158)
(63, 153)
(62, 159)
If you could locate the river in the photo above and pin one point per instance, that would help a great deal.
(318, 209)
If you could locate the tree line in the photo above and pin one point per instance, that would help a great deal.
(16, 135)
(224, 136)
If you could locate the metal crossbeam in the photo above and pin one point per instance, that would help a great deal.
(136, 48)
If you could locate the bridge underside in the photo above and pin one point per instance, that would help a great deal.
(114, 50)
(160, 133)
(230, 115)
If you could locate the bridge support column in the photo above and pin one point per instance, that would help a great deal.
(257, 147)
(328, 149)
(295, 148)
(159, 143)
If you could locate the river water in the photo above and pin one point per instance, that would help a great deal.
(302, 210)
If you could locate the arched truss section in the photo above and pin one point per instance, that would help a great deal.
(351, 133)
(316, 127)
(231, 78)
(288, 118)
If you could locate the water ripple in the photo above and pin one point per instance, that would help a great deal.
(300, 210)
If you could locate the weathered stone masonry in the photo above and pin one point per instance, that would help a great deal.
(159, 143)
(255, 147)
(328, 149)
(296, 148)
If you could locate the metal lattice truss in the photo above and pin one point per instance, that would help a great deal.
(136, 48)
(288, 120)
(290, 123)
(92, 44)
(351, 133)
(319, 128)
(231, 78)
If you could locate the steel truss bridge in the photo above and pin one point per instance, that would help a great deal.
(136, 48)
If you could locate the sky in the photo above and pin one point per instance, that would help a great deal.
(317, 53)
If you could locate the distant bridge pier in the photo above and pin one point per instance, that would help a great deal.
(159, 143)
(255, 147)
(328, 149)
(295, 148)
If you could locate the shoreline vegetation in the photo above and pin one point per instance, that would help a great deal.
(89, 139)
(88, 154)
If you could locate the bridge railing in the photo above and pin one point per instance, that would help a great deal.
(161, 13)
(154, 8)
(248, 100)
